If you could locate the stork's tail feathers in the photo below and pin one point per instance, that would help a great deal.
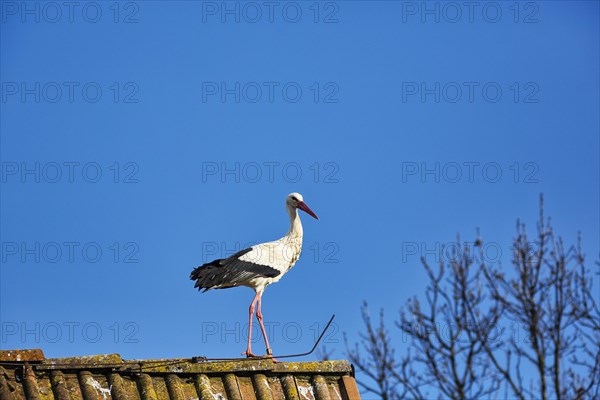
(204, 275)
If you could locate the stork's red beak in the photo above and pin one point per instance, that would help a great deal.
(302, 205)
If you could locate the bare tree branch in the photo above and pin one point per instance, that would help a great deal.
(459, 346)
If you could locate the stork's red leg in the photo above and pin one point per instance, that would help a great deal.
(259, 316)
(248, 351)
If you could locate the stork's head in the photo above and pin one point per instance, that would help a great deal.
(295, 200)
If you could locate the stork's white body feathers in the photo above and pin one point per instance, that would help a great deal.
(281, 255)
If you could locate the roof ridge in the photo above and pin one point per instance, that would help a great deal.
(192, 365)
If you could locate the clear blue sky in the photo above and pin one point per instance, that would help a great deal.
(171, 137)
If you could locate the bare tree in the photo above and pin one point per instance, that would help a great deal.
(532, 331)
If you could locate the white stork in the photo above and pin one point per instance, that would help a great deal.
(258, 266)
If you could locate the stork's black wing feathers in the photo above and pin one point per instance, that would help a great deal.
(230, 272)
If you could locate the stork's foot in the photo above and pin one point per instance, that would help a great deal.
(248, 353)
(270, 355)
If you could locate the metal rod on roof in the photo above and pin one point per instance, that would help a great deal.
(202, 359)
(316, 343)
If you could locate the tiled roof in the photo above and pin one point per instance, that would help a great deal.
(27, 374)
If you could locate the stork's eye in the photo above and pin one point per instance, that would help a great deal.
(295, 199)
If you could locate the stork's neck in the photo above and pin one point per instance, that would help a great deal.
(295, 232)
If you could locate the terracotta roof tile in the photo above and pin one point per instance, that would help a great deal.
(27, 375)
